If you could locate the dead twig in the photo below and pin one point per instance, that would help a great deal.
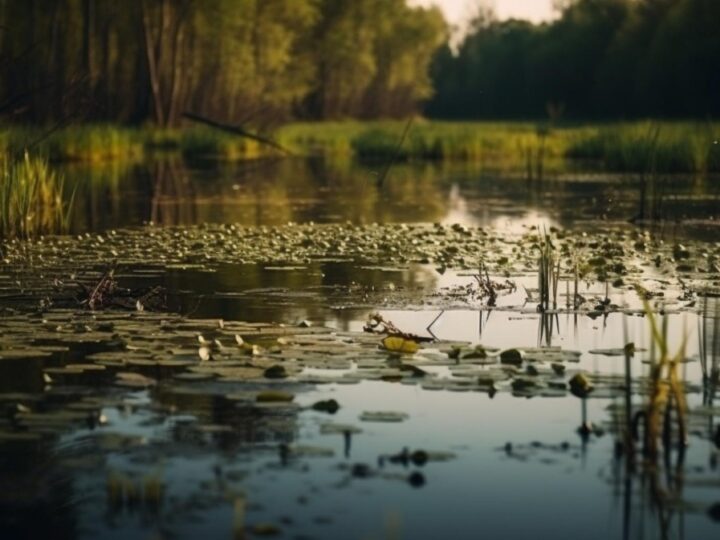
(236, 130)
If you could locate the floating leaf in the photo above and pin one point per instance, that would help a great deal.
(276, 372)
(400, 345)
(580, 385)
(383, 416)
(511, 356)
(134, 380)
(328, 405)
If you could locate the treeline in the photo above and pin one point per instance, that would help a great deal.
(600, 59)
(261, 61)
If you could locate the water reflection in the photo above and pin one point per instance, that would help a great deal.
(188, 460)
(170, 191)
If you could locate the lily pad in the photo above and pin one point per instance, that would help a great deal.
(383, 416)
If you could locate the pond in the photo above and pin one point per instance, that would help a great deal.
(234, 378)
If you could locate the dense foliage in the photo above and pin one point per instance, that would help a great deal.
(267, 61)
(601, 58)
(264, 60)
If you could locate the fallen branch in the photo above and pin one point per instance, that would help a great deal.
(236, 130)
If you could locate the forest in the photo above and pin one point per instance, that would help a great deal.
(601, 59)
(152, 60)
(268, 62)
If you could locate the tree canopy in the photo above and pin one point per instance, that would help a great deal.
(599, 59)
(265, 60)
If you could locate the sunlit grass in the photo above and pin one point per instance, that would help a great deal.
(499, 142)
(91, 143)
(32, 199)
(529, 147)
(209, 143)
(681, 147)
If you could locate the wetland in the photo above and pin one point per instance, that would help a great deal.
(291, 348)
(359, 269)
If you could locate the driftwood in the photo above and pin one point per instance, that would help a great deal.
(236, 130)
(106, 294)
(376, 324)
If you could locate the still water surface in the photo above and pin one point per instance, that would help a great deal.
(519, 466)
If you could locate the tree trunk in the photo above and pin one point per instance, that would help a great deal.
(152, 60)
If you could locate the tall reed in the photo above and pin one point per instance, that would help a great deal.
(709, 343)
(548, 273)
(32, 199)
(666, 389)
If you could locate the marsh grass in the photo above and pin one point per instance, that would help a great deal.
(494, 145)
(91, 143)
(548, 273)
(201, 142)
(94, 143)
(522, 147)
(709, 342)
(32, 199)
(679, 147)
(533, 151)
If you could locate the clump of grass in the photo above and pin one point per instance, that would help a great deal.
(533, 149)
(90, 142)
(684, 147)
(94, 143)
(32, 199)
(497, 145)
(211, 143)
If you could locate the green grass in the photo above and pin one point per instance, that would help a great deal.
(681, 147)
(205, 142)
(32, 199)
(90, 143)
(498, 142)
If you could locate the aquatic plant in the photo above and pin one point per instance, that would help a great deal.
(709, 345)
(685, 147)
(32, 199)
(666, 389)
(548, 273)
(211, 143)
(533, 148)
(519, 147)
(90, 143)
(93, 143)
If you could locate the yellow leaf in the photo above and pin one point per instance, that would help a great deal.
(399, 344)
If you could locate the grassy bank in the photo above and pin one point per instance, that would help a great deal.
(663, 147)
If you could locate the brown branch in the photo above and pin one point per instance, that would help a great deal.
(236, 130)
(152, 65)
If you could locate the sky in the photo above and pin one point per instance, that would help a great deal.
(456, 11)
